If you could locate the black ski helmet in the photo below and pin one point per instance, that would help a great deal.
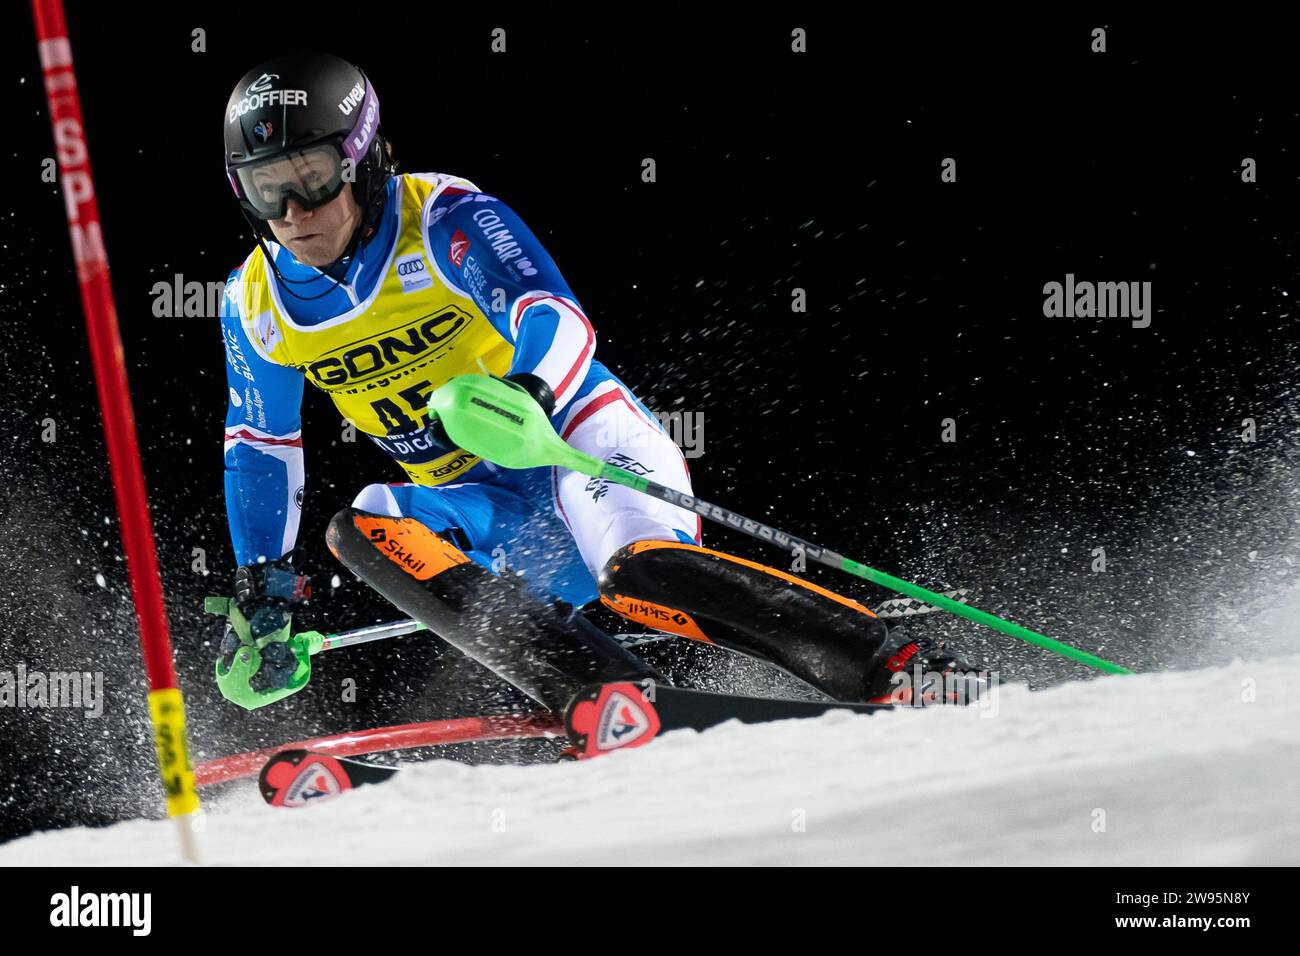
(314, 105)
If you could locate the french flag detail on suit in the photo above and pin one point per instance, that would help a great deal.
(559, 343)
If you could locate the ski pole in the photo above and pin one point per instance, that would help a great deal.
(499, 421)
(316, 642)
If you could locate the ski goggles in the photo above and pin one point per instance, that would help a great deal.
(311, 177)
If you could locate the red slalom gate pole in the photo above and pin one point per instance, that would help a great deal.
(166, 707)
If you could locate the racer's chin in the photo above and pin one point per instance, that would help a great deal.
(314, 249)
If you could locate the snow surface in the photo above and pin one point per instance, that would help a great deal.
(1194, 767)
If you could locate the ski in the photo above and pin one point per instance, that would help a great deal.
(621, 714)
(297, 778)
(601, 718)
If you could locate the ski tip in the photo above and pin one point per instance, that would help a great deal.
(608, 717)
(298, 778)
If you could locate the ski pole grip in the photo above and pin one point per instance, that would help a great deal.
(313, 642)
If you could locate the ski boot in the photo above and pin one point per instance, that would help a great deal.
(918, 672)
(832, 642)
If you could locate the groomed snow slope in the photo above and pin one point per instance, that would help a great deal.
(1182, 768)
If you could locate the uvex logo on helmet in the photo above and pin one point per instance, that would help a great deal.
(355, 96)
(362, 138)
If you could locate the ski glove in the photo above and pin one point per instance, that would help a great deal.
(260, 661)
(535, 386)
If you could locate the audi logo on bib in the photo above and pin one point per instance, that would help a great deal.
(412, 273)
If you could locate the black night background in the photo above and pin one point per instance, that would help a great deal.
(775, 171)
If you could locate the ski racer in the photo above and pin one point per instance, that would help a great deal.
(377, 287)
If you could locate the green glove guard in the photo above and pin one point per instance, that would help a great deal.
(235, 682)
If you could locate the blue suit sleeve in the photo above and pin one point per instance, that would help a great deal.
(264, 477)
(483, 247)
